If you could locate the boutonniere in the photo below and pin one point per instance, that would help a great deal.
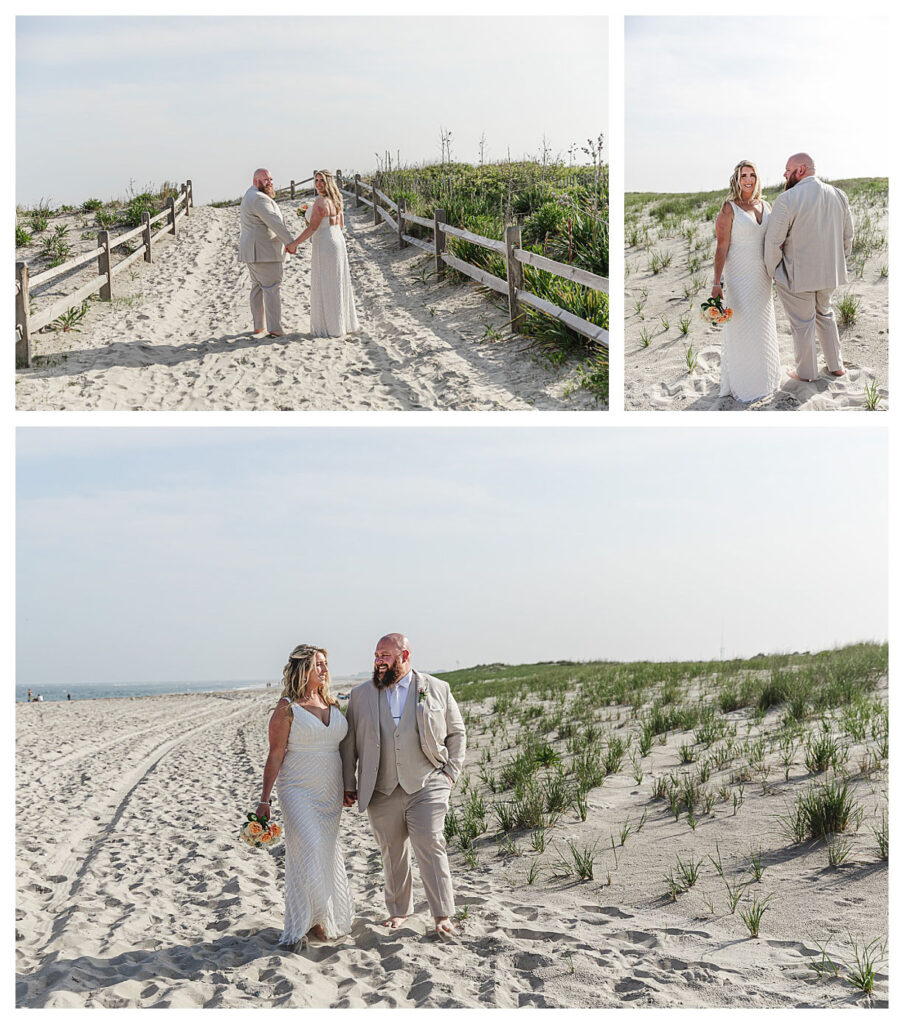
(421, 694)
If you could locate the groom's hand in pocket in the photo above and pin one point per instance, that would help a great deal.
(348, 800)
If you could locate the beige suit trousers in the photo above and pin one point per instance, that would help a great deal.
(266, 309)
(812, 317)
(418, 817)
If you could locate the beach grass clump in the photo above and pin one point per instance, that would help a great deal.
(865, 960)
(752, 915)
(880, 833)
(871, 392)
(824, 810)
(90, 205)
(837, 849)
(822, 752)
(848, 307)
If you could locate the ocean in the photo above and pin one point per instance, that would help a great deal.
(91, 691)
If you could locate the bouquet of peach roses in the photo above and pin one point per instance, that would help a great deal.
(714, 312)
(259, 831)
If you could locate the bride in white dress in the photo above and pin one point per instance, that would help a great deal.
(332, 297)
(305, 731)
(750, 356)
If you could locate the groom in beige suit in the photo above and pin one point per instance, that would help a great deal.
(809, 234)
(405, 745)
(262, 245)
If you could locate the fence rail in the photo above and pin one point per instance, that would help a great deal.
(509, 248)
(27, 323)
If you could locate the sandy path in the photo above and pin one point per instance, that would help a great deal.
(175, 337)
(133, 890)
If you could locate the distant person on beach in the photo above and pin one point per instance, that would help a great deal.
(305, 731)
(30, 697)
(750, 364)
(809, 235)
(264, 241)
(332, 297)
(401, 756)
(68, 695)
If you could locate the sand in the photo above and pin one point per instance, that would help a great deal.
(177, 336)
(134, 891)
(657, 376)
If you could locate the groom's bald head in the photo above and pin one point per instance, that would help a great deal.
(263, 181)
(798, 166)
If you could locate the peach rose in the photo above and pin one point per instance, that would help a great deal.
(266, 835)
(254, 829)
(713, 313)
(275, 831)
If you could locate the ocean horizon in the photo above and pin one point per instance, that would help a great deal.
(96, 691)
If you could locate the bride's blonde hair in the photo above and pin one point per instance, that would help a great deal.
(332, 192)
(734, 182)
(298, 671)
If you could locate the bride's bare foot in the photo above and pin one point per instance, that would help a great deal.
(445, 929)
(393, 922)
(793, 376)
(318, 933)
(259, 332)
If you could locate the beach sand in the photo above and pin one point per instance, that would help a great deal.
(177, 336)
(657, 376)
(133, 889)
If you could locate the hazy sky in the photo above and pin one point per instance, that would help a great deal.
(169, 554)
(703, 93)
(211, 98)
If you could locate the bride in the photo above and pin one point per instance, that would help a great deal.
(305, 730)
(750, 356)
(332, 298)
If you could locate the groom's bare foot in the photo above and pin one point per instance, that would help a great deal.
(803, 380)
(276, 334)
(259, 333)
(393, 922)
(837, 373)
(318, 933)
(445, 929)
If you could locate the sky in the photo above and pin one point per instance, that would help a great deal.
(701, 94)
(123, 99)
(170, 554)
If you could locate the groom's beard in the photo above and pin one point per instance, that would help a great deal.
(391, 675)
(791, 182)
(268, 190)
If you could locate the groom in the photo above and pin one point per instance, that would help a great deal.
(809, 234)
(261, 246)
(406, 744)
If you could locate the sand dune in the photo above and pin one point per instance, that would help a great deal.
(176, 337)
(657, 375)
(134, 891)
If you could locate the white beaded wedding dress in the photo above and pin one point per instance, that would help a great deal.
(309, 789)
(332, 297)
(750, 358)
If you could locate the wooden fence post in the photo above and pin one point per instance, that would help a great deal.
(357, 191)
(171, 206)
(191, 193)
(339, 177)
(292, 189)
(146, 236)
(439, 242)
(23, 329)
(514, 273)
(104, 264)
(401, 215)
(185, 190)
(373, 193)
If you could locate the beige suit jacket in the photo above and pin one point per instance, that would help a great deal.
(440, 728)
(809, 234)
(264, 235)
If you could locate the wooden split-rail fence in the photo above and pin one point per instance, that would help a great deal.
(28, 323)
(368, 193)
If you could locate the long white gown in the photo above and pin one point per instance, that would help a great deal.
(332, 297)
(750, 358)
(309, 789)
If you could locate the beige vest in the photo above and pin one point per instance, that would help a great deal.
(402, 762)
